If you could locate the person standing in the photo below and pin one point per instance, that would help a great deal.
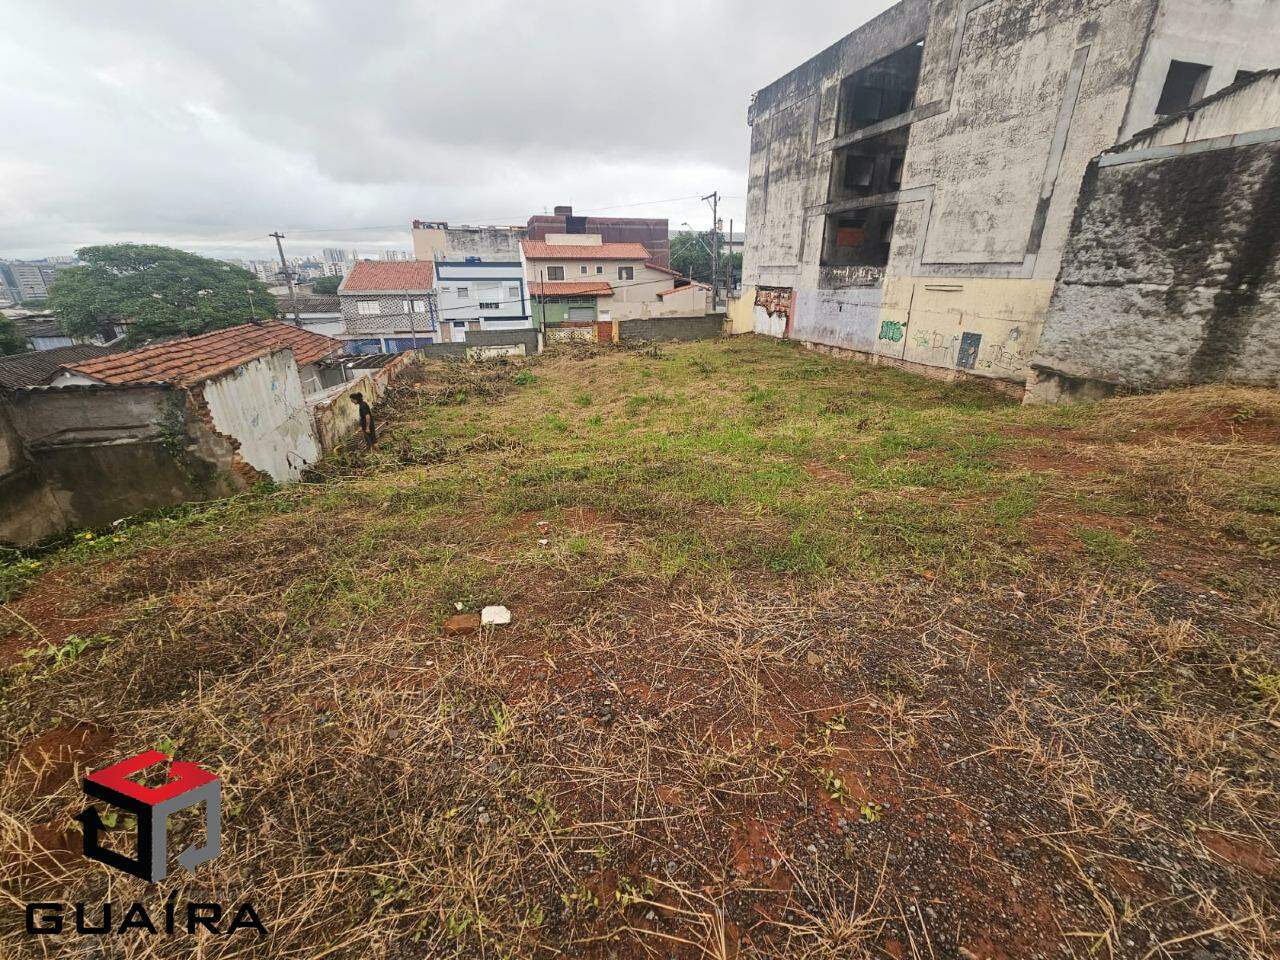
(366, 420)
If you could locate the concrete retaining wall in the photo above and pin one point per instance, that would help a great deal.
(1171, 277)
(673, 328)
(260, 406)
(482, 343)
(86, 456)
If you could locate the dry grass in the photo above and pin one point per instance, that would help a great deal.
(934, 699)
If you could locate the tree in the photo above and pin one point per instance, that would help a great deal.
(158, 291)
(11, 341)
(691, 255)
(326, 285)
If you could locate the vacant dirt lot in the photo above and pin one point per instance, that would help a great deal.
(808, 659)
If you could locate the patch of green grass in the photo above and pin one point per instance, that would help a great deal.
(1109, 549)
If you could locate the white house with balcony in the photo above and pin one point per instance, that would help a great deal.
(480, 295)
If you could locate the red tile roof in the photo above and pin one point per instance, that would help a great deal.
(389, 276)
(537, 250)
(194, 359)
(571, 288)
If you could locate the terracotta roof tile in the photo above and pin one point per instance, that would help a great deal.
(194, 359)
(571, 288)
(538, 250)
(389, 276)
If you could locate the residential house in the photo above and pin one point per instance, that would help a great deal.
(389, 306)
(912, 187)
(316, 312)
(569, 302)
(478, 295)
(42, 331)
(687, 298)
(194, 418)
(195, 359)
(650, 233)
(586, 265)
(39, 367)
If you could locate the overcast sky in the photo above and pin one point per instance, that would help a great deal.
(206, 126)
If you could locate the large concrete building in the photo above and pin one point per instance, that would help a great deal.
(912, 187)
(1171, 273)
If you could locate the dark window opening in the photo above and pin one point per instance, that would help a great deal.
(1183, 85)
(859, 238)
(575, 224)
(555, 273)
(868, 167)
(882, 90)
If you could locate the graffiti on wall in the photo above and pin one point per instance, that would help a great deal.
(892, 331)
(937, 345)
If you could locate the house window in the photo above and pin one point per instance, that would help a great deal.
(414, 306)
(464, 293)
(584, 268)
(626, 273)
(1183, 85)
(513, 293)
(489, 305)
(555, 273)
(599, 269)
(368, 308)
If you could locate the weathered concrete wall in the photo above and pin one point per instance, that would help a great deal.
(491, 243)
(477, 341)
(1015, 97)
(1227, 35)
(28, 511)
(1252, 106)
(335, 416)
(1172, 276)
(260, 405)
(786, 173)
(86, 456)
(673, 328)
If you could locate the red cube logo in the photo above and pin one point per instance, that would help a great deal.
(188, 785)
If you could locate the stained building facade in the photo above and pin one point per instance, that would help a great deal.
(912, 187)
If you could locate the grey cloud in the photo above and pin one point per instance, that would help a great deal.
(207, 126)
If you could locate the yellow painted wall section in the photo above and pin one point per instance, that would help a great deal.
(925, 320)
(741, 311)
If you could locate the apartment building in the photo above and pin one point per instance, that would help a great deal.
(911, 188)
(475, 295)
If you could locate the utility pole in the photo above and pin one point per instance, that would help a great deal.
(714, 197)
(253, 314)
(288, 278)
(728, 281)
